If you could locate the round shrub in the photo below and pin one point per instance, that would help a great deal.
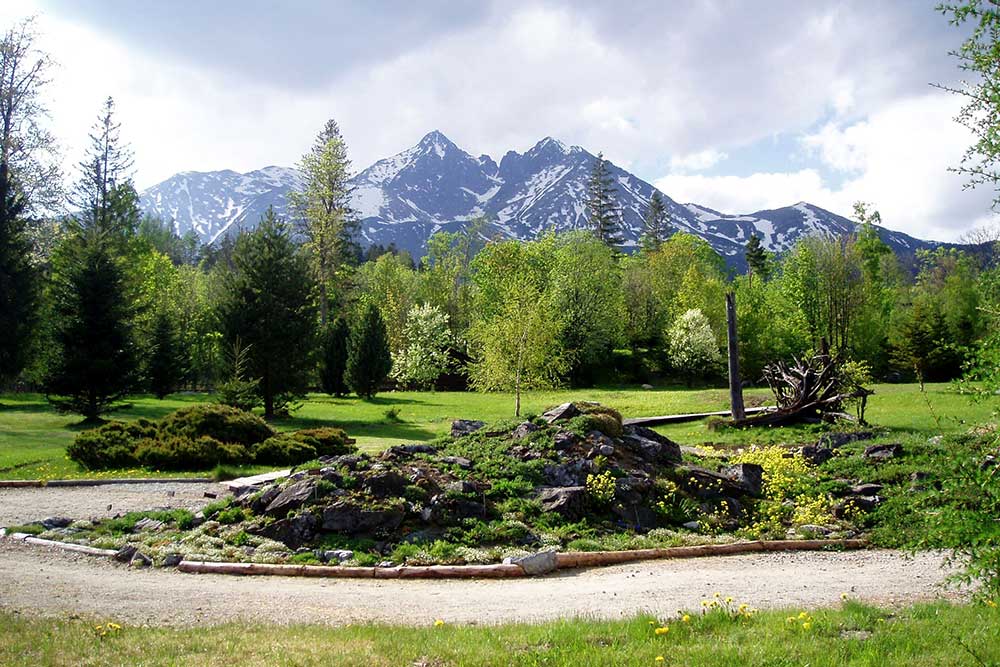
(327, 441)
(219, 422)
(283, 450)
(605, 423)
(110, 446)
(180, 453)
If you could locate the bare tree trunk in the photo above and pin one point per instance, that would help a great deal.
(735, 382)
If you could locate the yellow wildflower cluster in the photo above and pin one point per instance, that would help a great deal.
(992, 604)
(106, 629)
(601, 487)
(727, 607)
(803, 620)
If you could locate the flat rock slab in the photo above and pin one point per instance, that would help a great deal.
(263, 478)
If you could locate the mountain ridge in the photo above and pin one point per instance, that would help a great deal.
(437, 186)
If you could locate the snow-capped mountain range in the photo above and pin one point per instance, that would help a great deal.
(437, 186)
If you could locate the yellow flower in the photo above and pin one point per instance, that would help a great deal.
(803, 615)
(790, 619)
(843, 596)
(652, 622)
(662, 630)
(716, 595)
(685, 618)
(438, 623)
(728, 600)
(659, 658)
(806, 625)
(991, 603)
(704, 603)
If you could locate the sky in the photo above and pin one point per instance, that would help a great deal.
(739, 106)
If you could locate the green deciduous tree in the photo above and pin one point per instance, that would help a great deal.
(369, 360)
(267, 303)
(426, 355)
(603, 212)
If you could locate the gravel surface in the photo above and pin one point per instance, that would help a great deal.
(47, 581)
(23, 505)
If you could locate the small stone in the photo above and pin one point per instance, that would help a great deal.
(569, 501)
(691, 525)
(463, 427)
(461, 486)
(817, 454)
(386, 563)
(525, 429)
(748, 476)
(172, 560)
(460, 461)
(883, 452)
(126, 553)
(209, 494)
(339, 555)
(564, 440)
(534, 564)
(140, 559)
(866, 489)
(561, 413)
(647, 387)
(812, 529)
(56, 522)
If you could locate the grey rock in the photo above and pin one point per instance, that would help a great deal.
(647, 387)
(565, 440)
(172, 560)
(866, 489)
(291, 498)
(571, 473)
(148, 524)
(836, 440)
(461, 486)
(351, 519)
(706, 484)
(883, 452)
(460, 461)
(569, 501)
(462, 427)
(292, 531)
(386, 484)
(854, 504)
(53, 522)
(140, 559)
(125, 554)
(561, 413)
(691, 525)
(386, 563)
(601, 450)
(817, 454)
(525, 429)
(812, 529)
(639, 517)
(258, 504)
(651, 445)
(535, 564)
(749, 476)
(339, 555)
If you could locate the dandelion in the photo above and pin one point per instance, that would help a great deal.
(843, 596)
(729, 600)
(790, 619)
(685, 618)
(991, 603)
(803, 615)
(806, 625)
(652, 622)
(659, 659)
(438, 623)
(662, 630)
(716, 595)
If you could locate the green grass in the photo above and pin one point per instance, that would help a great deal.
(33, 437)
(932, 634)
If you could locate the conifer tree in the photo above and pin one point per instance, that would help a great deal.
(328, 224)
(96, 365)
(18, 282)
(267, 305)
(655, 223)
(333, 362)
(368, 358)
(603, 213)
(758, 260)
(167, 364)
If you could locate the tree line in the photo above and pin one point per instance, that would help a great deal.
(100, 302)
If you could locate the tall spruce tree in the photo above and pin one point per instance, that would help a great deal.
(268, 306)
(368, 358)
(168, 364)
(328, 224)
(96, 363)
(18, 282)
(603, 212)
(655, 224)
(333, 361)
(758, 260)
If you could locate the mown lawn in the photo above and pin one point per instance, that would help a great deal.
(33, 437)
(925, 635)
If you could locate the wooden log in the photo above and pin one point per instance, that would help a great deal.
(20, 483)
(735, 381)
(450, 572)
(65, 546)
(253, 569)
(125, 480)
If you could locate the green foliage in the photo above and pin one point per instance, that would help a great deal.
(239, 391)
(603, 212)
(601, 487)
(758, 258)
(178, 452)
(427, 353)
(368, 358)
(168, 364)
(267, 304)
(110, 446)
(333, 358)
(19, 281)
(327, 441)
(219, 422)
(284, 450)
(656, 223)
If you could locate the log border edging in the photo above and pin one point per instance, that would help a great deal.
(22, 483)
(564, 561)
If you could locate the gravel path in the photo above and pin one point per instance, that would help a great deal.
(22, 505)
(46, 581)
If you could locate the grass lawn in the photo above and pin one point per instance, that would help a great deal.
(33, 437)
(925, 635)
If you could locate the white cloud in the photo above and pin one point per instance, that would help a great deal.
(897, 158)
(699, 161)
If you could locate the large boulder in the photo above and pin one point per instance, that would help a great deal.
(651, 446)
(638, 517)
(749, 476)
(291, 498)
(525, 429)
(710, 485)
(561, 413)
(350, 518)
(293, 532)
(571, 473)
(534, 564)
(384, 484)
(462, 427)
(569, 501)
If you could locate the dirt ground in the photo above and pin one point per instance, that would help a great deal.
(40, 580)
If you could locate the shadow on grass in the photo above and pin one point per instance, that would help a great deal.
(354, 428)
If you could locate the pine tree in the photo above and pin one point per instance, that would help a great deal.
(655, 223)
(267, 304)
(333, 362)
(368, 358)
(603, 213)
(328, 223)
(96, 365)
(18, 282)
(168, 363)
(758, 260)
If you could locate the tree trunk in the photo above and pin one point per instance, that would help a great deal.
(735, 382)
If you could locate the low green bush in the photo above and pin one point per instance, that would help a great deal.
(181, 453)
(327, 441)
(283, 450)
(219, 422)
(110, 446)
